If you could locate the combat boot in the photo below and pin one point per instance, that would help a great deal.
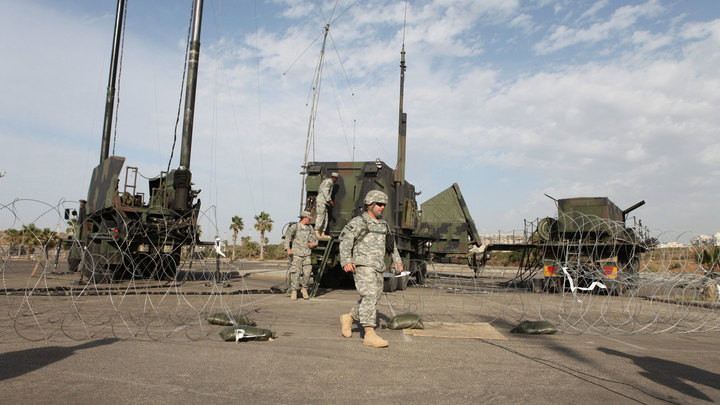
(317, 233)
(372, 339)
(323, 236)
(293, 295)
(304, 293)
(346, 322)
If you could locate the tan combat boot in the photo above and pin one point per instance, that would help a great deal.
(317, 233)
(372, 339)
(304, 293)
(346, 322)
(293, 295)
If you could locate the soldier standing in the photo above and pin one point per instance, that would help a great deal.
(324, 198)
(362, 252)
(299, 239)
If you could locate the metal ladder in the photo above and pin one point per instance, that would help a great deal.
(327, 248)
(573, 252)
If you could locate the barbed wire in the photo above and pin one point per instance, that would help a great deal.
(587, 276)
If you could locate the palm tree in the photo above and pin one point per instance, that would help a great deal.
(248, 247)
(47, 239)
(29, 237)
(73, 227)
(263, 223)
(14, 239)
(236, 226)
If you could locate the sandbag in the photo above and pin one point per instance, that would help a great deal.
(245, 332)
(221, 318)
(406, 321)
(535, 328)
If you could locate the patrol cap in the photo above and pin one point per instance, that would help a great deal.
(376, 196)
(305, 214)
(334, 174)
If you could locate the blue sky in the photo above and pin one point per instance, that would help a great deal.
(510, 99)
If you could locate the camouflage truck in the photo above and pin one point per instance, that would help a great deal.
(442, 229)
(589, 241)
(122, 232)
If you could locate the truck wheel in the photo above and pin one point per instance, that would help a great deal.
(96, 268)
(418, 269)
(73, 264)
(167, 267)
(628, 269)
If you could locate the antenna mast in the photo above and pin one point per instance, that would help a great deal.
(316, 88)
(110, 98)
(191, 86)
(399, 174)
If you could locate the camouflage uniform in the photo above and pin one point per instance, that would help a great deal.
(297, 238)
(323, 199)
(362, 242)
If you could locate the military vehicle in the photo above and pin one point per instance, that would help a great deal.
(441, 229)
(126, 232)
(588, 242)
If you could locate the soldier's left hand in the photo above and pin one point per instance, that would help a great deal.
(312, 245)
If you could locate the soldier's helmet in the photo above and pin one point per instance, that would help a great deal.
(305, 214)
(376, 196)
(334, 174)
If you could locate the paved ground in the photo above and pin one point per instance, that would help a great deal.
(310, 362)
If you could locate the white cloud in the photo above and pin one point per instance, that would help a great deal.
(622, 19)
(593, 10)
(639, 122)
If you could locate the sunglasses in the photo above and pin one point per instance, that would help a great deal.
(380, 204)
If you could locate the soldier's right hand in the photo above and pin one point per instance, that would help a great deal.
(289, 251)
(349, 268)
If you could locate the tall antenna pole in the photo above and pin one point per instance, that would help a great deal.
(191, 86)
(399, 174)
(316, 88)
(110, 98)
(353, 150)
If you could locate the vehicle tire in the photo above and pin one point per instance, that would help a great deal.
(167, 268)
(73, 264)
(418, 269)
(96, 268)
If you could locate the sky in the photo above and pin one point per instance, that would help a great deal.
(512, 100)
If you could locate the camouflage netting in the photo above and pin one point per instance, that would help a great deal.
(609, 280)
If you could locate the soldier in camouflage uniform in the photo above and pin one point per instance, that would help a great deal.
(299, 239)
(362, 252)
(324, 198)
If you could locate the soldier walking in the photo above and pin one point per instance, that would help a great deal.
(363, 243)
(324, 199)
(299, 239)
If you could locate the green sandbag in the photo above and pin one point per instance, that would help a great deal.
(221, 318)
(247, 333)
(406, 321)
(535, 328)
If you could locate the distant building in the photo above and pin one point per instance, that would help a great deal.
(670, 245)
(704, 240)
(503, 238)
